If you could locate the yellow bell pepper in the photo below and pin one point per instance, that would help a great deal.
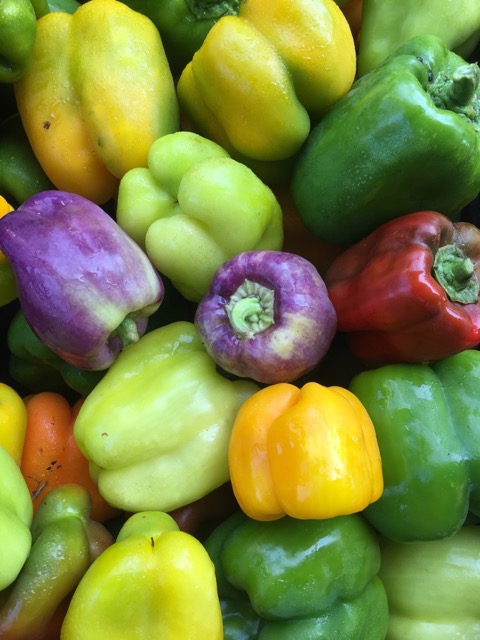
(261, 76)
(97, 93)
(13, 421)
(8, 285)
(310, 453)
(155, 581)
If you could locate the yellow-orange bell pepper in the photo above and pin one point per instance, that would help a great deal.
(97, 93)
(310, 453)
(261, 76)
(13, 421)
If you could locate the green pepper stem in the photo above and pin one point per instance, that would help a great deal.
(213, 9)
(458, 93)
(250, 309)
(455, 273)
(127, 332)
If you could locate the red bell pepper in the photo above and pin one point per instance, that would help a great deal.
(409, 291)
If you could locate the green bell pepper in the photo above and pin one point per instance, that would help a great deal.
(183, 24)
(21, 175)
(38, 368)
(427, 422)
(299, 579)
(405, 138)
(65, 543)
(195, 204)
(386, 24)
(16, 513)
(160, 409)
(18, 28)
(432, 587)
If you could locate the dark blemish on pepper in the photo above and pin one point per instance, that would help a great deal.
(152, 541)
(46, 124)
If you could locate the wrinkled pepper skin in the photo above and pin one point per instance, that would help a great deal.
(153, 582)
(65, 543)
(37, 368)
(307, 452)
(86, 289)
(97, 93)
(387, 24)
(409, 291)
(407, 136)
(195, 204)
(299, 579)
(261, 77)
(432, 587)
(184, 24)
(427, 427)
(161, 407)
(16, 514)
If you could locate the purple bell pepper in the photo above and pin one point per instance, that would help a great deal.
(85, 287)
(267, 316)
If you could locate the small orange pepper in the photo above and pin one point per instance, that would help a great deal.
(51, 456)
(310, 453)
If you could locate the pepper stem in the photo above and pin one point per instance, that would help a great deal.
(213, 9)
(251, 309)
(455, 273)
(127, 331)
(458, 93)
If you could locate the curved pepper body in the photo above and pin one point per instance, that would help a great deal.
(17, 37)
(432, 587)
(154, 581)
(308, 453)
(16, 514)
(65, 543)
(259, 77)
(13, 421)
(407, 136)
(427, 427)
(195, 203)
(97, 93)
(161, 408)
(409, 291)
(299, 579)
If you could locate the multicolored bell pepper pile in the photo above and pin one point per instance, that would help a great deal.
(239, 320)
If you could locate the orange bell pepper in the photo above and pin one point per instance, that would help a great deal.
(51, 456)
(310, 453)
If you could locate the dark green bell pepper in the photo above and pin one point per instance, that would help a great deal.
(433, 587)
(21, 175)
(405, 138)
(299, 579)
(183, 24)
(427, 421)
(37, 368)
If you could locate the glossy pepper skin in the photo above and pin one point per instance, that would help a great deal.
(153, 582)
(97, 93)
(307, 452)
(195, 203)
(417, 146)
(409, 291)
(21, 175)
(387, 24)
(85, 287)
(13, 421)
(184, 24)
(427, 428)
(261, 77)
(16, 514)
(17, 36)
(299, 579)
(432, 587)
(161, 407)
(66, 540)
(37, 368)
